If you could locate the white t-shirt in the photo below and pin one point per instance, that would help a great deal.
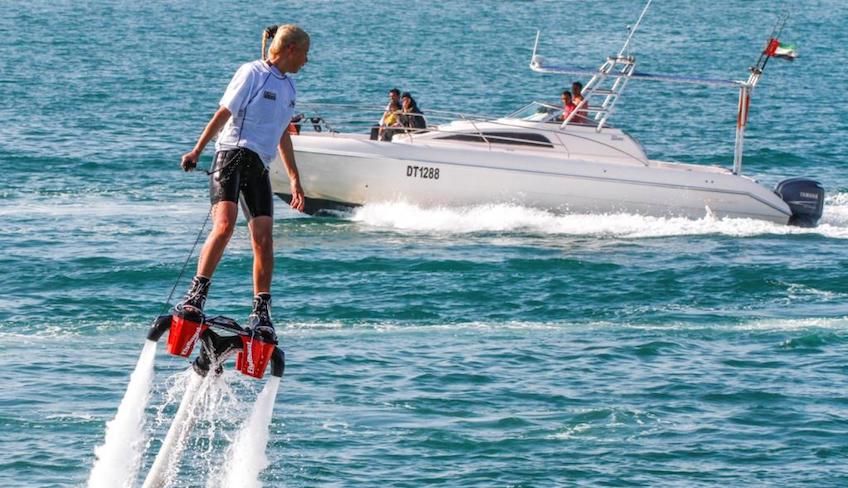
(262, 101)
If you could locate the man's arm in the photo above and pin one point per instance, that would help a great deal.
(189, 160)
(287, 154)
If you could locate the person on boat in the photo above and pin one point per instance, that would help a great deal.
(568, 105)
(389, 121)
(580, 104)
(250, 125)
(394, 97)
(376, 131)
(411, 117)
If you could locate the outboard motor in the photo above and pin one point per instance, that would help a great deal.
(805, 198)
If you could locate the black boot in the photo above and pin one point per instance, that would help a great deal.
(195, 297)
(260, 319)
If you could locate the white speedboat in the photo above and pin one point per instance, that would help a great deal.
(537, 158)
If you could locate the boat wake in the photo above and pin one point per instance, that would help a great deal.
(404, 216)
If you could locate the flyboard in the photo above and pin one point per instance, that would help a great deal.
(220, 338)
(119, 458)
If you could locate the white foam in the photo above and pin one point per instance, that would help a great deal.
(570, 432)
(298, 331)
(100, 206)
(799, 324)
(512, 218)
(246, 455)
(119, 457)
(836, 210)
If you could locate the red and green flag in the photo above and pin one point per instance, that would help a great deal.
(777, 49)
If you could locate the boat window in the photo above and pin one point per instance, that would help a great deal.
(512, 138)
(536, 112)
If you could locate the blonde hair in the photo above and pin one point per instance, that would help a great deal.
(286, 34)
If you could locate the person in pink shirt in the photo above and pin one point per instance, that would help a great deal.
(568, 105)
(582, 106)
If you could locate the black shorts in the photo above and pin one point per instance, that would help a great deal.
(239, 176)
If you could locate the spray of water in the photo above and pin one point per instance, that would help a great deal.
(513, 218)
(119, 457)
(165, 466)
(246, 457)
(219, 412)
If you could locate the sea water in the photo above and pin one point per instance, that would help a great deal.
(475, 347)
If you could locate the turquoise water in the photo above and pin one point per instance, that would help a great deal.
(490, 346)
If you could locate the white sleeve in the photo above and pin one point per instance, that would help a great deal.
(238, 90)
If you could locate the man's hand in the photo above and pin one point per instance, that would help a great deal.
(298, 201)
(189, 161)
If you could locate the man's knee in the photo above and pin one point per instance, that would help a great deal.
(261, 232)
(224, 228)
(225, 217)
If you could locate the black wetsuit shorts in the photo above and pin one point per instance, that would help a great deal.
(239, 176)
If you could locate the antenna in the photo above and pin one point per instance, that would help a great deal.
(535, 46)
(633, 29)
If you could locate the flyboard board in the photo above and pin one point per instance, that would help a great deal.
(219, 337)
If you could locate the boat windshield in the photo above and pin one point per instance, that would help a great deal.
(537, 112)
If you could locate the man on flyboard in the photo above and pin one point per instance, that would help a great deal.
(250, 125)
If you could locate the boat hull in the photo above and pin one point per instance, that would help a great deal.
(339, 171)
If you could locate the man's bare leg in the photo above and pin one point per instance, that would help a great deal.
(224, 215)
(261, 238)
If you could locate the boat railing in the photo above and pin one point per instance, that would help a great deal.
(608, 82)
(353, 117)
(348, 118)
(515, 129)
